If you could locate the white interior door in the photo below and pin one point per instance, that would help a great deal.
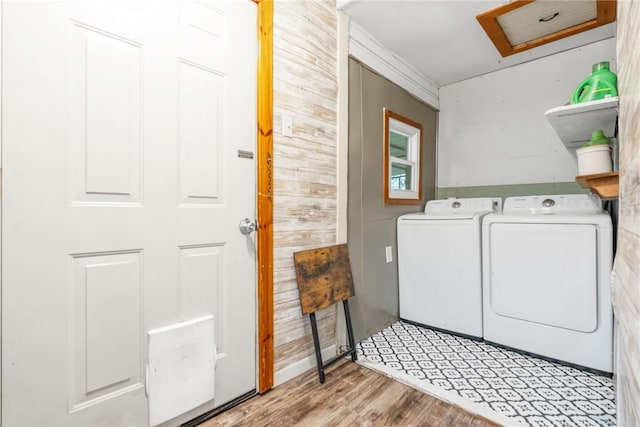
(122, 194)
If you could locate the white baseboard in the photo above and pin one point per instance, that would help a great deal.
(301, 366)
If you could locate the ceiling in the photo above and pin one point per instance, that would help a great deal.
(442, 38)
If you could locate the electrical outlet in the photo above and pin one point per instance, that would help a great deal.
(388, 254)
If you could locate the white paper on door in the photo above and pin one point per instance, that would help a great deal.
(181, 368)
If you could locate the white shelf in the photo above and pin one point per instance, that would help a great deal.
(574, 123)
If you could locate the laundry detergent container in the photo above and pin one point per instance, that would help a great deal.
(595, 155)
(594, 159)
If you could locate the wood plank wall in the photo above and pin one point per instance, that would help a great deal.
(626, 276)
(305, 89)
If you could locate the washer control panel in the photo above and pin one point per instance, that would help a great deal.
(565, 203)
(463, 206)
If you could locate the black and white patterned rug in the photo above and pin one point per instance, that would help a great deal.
(525, 389)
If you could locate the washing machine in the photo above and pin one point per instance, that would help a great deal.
(439, 264)
(546, 267)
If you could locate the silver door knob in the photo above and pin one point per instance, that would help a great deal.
(248, 226)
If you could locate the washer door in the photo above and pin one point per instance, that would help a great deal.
(545, 273)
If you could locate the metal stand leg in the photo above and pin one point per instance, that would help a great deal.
(316, 344)
(352, 343)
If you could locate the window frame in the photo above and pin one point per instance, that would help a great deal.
(413, 130)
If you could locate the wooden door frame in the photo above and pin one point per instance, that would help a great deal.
(265, 195)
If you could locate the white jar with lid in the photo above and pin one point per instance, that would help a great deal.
(594, 159)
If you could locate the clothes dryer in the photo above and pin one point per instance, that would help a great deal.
(546, 267)
(439, 264)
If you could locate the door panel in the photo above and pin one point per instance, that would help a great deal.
(122, 194)
(538, 270)
(200, 137)
(106, 118)
(105, 344)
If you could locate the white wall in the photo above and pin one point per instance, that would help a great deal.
(492, 128)
(370, 52)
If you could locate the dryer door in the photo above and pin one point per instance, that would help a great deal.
(545, 273)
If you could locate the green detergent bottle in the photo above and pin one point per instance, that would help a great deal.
(597, 138)
(600, 84)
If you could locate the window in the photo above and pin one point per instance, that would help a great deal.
(402, 160)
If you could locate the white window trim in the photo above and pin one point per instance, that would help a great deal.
(413, 157)
(413, 131)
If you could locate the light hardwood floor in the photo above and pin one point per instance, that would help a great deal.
(352, 395)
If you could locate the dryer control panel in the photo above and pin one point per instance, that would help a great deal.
(557, 203)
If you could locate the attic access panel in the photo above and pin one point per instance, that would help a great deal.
(524, 24)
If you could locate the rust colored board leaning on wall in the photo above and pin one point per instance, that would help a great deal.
(324, 277)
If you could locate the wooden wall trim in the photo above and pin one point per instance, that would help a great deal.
(342, 140)
(265, 196)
